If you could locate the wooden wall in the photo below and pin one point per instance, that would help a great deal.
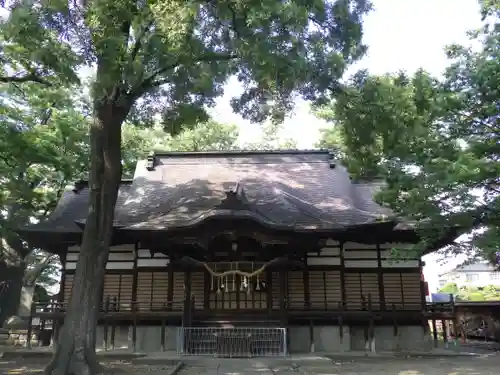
(118, 290)
(324, 289)
(152, 290)
(360, 287)
(351, 272)
(68, 284)
(234, 296)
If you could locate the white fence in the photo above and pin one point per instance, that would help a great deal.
(232, 342)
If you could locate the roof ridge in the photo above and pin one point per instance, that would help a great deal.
(239, 152)
(83, 183)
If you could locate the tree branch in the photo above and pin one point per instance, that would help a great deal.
(138, 41)
(29, 77)
(32, 275)
(152, 81)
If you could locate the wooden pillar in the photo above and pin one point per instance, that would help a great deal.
(29, 331)
(170, 287)
(395, 321)
(325, 295)
(187, 311)
(106, 325)
(307, 292)
(113, 322)
(162, 338)
(311, 336)
(62, 258)
(423, 301)
(380, 278)
(206, 289)
(269, 282)
(444, 327)
(187, 299)
(401, 287)
(283, 303)
(342, 275)
(237, 296)
(151, 292)
(134, 328)
(282, 296)
(434, 331)
(371, 325)
(134, 278)
(454, 318)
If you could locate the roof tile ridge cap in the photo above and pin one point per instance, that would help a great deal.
(84, 182)
(250, 205)
(237, 152)
(255, 211)
(354, 193)
(293, 200)
(352, 190)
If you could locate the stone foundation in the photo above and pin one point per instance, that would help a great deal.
(148, 338)
(328, 339)
(325, 339)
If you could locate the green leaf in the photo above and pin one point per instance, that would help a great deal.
(434, 142)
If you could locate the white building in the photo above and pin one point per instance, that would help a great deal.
(479, 274)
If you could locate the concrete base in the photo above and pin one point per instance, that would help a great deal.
(328, 339)
(148, 338)
(325, 339)
(408, 339)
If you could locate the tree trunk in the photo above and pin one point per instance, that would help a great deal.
(75, 350)
(11, 283)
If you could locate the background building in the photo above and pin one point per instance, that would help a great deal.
(477, 275)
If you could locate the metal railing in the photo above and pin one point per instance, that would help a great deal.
(232, 342)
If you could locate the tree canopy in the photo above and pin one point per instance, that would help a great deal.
(43, 143)
(470, 293)
(434, 141)
(182, 52)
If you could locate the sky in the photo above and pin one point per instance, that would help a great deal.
(401, 35)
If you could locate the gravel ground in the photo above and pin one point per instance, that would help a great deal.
(482, 365)
(486, 365)
(411, 366)
(33, 366)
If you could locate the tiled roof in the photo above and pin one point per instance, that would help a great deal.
(72, 207)
(475, 267)
(299, 190)
(296, 190)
